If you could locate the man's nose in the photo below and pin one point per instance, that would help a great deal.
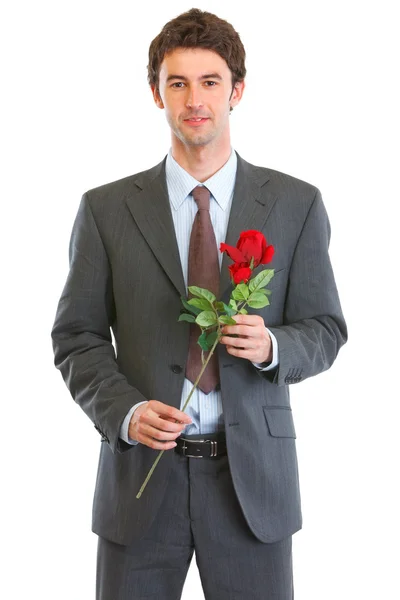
(194, 98)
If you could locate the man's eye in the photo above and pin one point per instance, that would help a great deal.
(177, 84)
(210, 83)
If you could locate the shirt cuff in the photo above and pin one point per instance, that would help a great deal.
(275, 355)
(123, 432)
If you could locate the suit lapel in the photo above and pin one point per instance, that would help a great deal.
(150, 207)
(251, 205)
(151, 211)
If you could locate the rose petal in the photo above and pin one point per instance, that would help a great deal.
(251, 233)
(232, 252)
(242, 274)
(268, 254)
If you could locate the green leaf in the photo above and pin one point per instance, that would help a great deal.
(206, 342)
(241, 292)
(211, 339)
(225, 320)
(201, 303)
(258, 300)
(229, 310)
(244, 289)
(201, 293)
(264, 291)
(202, 341)
(237, 295)
(186, 317)
(258, 295)
(243, 311)
(192, 309)
(261, 280)
(206, 318)
(233, 304)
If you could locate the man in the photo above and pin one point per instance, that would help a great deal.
(230, 487)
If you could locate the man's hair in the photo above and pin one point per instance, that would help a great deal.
(198, 29)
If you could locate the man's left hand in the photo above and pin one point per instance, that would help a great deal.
(253, 343)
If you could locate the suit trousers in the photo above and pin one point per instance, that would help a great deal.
(200, 512)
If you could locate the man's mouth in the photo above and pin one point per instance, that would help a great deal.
(196, 121)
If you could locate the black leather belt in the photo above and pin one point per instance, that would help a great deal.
(208, 445)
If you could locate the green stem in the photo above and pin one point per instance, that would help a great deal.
(183, 410)
(201, 373)
(243, 305)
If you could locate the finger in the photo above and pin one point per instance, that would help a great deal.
(251, 320)
(168, 411)
(169, 424)
(179, 425)
(158, 434)
(242, 353)
(171, 419)
(155, 444)
(160, 423)
(241, 330)
(241, 342)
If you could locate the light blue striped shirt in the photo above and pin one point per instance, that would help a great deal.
(205, 410)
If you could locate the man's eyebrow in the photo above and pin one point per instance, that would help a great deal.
(206, 76)
(211, 76)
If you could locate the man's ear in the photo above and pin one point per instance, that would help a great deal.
(237, 93)
(156, 96)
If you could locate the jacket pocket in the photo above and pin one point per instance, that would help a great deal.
(280, 421)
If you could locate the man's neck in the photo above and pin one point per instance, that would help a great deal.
(201, 162)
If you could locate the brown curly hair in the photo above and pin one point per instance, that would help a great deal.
(198, 29)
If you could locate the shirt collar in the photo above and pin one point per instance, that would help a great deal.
(180, 183)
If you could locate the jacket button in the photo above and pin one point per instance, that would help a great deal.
(176, 369)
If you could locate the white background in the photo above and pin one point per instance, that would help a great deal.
(320, 104)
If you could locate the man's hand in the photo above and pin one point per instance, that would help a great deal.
(156, 421)
(253, 341)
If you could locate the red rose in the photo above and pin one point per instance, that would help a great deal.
(239, 274)
(251, 244)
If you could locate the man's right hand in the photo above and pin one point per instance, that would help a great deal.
(156, 421)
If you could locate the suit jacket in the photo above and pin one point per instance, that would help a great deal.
(125, 274)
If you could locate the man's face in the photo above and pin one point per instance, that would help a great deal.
(195, 89)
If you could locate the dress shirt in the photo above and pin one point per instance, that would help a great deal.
(205, 410)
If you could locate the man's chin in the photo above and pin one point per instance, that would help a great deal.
(196, 139)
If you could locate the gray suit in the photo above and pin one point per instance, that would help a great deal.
(126, 274)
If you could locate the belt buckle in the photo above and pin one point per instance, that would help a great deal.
(214, 447)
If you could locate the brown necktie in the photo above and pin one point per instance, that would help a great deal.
(203, 272)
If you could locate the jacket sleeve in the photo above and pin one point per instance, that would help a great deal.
(313, 329)
(82, 344)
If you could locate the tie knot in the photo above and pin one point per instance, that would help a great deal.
(202, 197)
